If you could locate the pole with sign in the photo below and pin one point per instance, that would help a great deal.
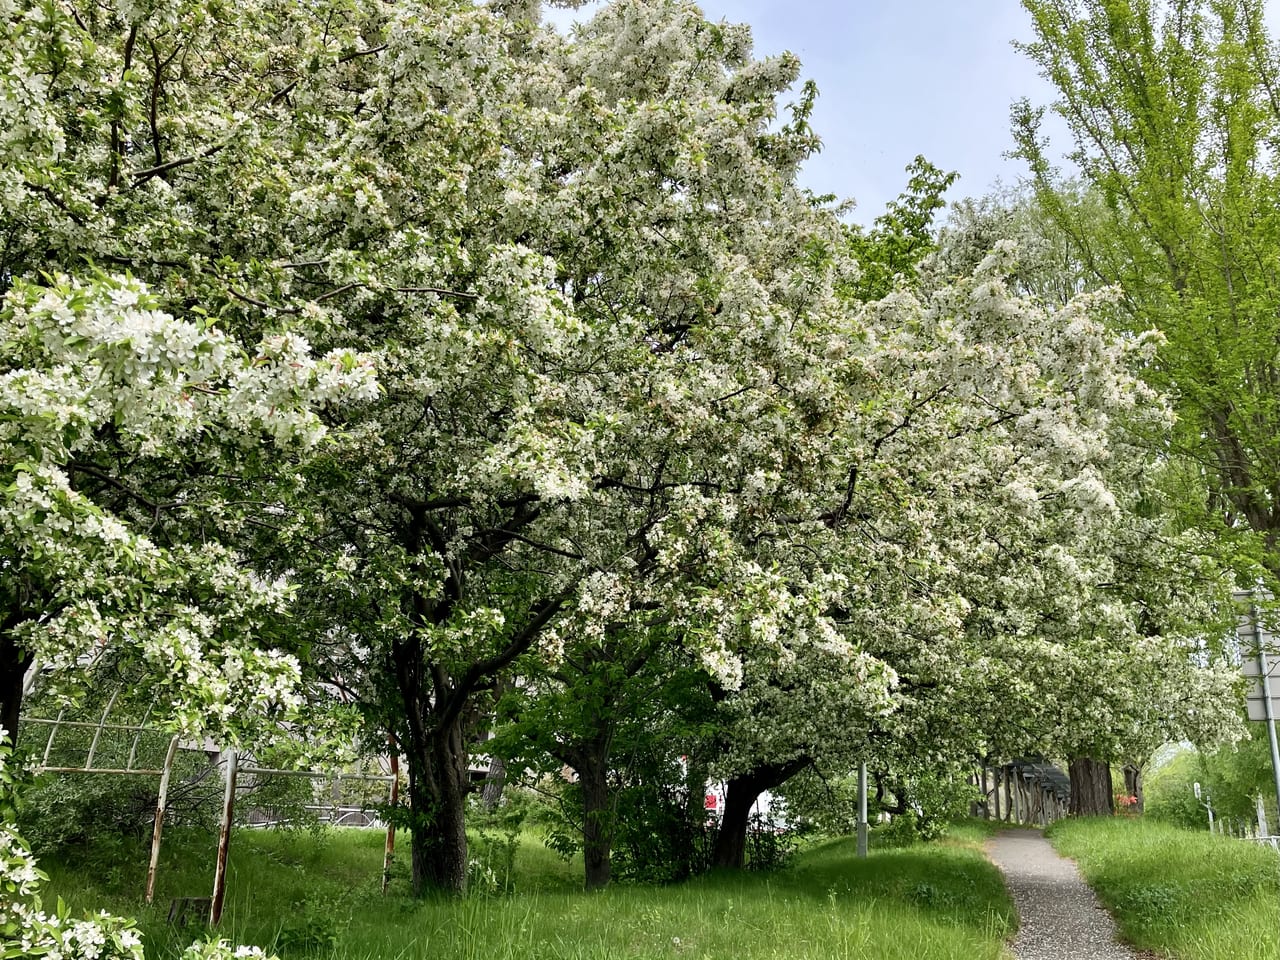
(1260, 665)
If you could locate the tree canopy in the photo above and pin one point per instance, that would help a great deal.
(644, 406)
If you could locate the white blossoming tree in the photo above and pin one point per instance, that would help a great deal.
(579, 262)
(95, 376)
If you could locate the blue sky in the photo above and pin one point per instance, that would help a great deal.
(899, 78)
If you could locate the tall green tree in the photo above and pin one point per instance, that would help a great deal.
(1174, 108)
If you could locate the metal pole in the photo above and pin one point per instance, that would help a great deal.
(161, 799)
(224, 840)
(862, 809)
(1266, 701)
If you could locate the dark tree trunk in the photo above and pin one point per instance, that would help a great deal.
(437, 701)
(1091, 789)
(437, 797)
(589, 759)
(435, 747)
(597, 815)
(1008, 794)
(1133, 786)
(896, 807)
(494, 783)
(731, 840)
(13, 670)
(739, 796)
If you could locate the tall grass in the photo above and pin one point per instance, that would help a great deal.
(1185, 894)
(322, 900)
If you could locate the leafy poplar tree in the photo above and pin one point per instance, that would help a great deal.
(1173, 112)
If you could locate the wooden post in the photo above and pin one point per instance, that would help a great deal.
(48, 746)
(995, 793)
(97, 734)
(391, 823)
(224, 840)
(161, 800)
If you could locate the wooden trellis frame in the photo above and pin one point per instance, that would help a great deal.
(231, 760)
(1035, 792)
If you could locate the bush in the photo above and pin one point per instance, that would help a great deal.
(769, 843)
(494, 841)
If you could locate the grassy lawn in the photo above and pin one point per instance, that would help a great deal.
(1180, 893)
(305, 897)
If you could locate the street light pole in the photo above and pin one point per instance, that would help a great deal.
(862, 809)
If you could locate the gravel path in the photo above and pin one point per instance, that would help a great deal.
(1059, 917)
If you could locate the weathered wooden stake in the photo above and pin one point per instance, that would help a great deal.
(162, 798)
(391, 823)
(224, 840)
(97, 734)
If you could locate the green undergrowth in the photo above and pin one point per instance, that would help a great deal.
(1181, 894)
(318, 896)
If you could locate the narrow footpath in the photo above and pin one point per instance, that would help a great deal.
(1059, 918)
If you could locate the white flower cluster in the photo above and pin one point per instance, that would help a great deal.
(99, 352)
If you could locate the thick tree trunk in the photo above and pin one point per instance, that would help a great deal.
(739, 796)
(435, 748)
(731, 840)
(437, 798)
(13, 669)
(1091, 788)
(1133, 786)
(597, 817)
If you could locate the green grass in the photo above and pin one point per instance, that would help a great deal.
(1179, 893)
(322, 900)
